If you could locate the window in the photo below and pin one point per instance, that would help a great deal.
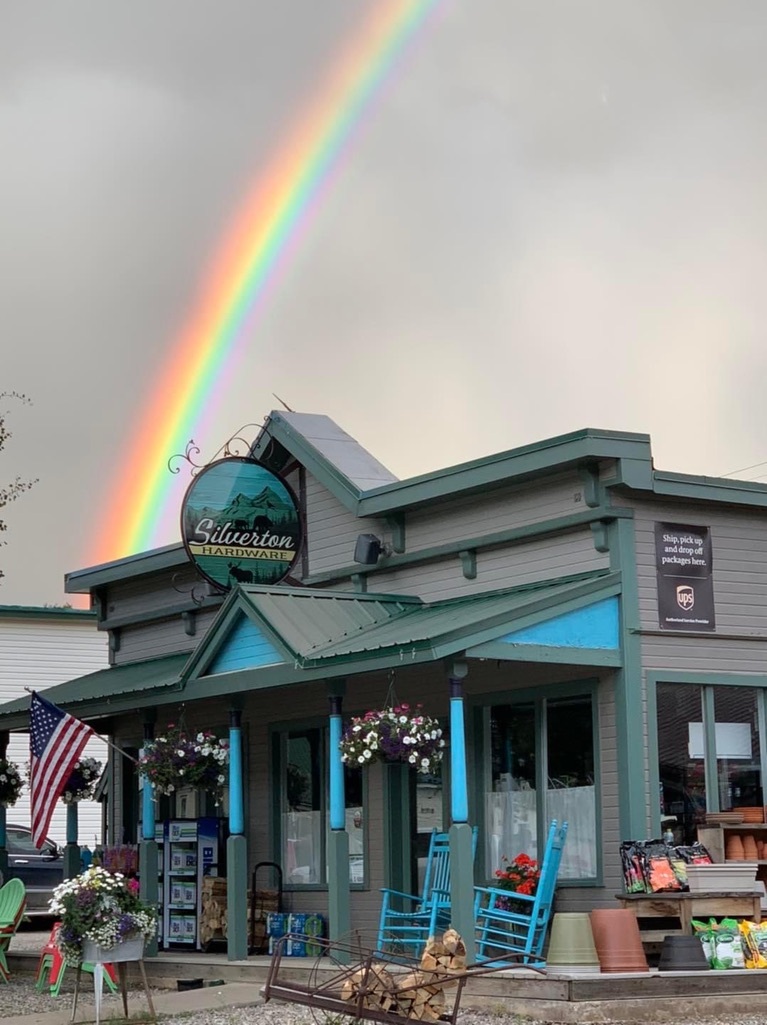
(304, 810)
(543, 744)
(706, 734)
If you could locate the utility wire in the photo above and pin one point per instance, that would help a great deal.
(743, 469)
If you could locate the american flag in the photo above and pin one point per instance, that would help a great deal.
(56, 740)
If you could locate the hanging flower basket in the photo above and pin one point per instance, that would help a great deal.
(82, 782)
(399, 734)
(177, 760)
(11, 783)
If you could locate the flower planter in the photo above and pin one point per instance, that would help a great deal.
(129, 950)
(618, 940)
(571, 946)
(735, 877)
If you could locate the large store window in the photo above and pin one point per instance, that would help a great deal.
(707, 734)
(541, 768)
(304, 812)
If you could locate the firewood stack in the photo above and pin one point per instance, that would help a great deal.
(420, 994)
(213, 909)
(376, 984)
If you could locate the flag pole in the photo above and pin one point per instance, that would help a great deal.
(106, 741)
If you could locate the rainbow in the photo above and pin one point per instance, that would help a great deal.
(244, 275)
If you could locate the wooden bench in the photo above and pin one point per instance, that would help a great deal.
(686, 906)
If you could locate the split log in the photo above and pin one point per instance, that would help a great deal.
(418, 998)
(444, 957)
(375, 986)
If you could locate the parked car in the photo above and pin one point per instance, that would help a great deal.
(40, 870)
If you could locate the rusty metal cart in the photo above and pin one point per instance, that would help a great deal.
(347, 980)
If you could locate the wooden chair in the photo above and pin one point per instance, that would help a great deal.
(407, 920)
(13, 902)
(515, 923)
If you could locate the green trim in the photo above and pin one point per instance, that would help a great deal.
(399, 826)
(468, 559)
(651, 703)
(705, 679)
(530, 531)
(478, 707)
(708, 715)
(535, 460)
(710, 489)
(80, 581)
(44, 612)
(629, 711)
(502, 652)
(166, 612)
(593, 492)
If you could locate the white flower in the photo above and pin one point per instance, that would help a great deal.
(361, 759)
(3, 778)
(221, 779)
(367, 753)
(413, 759)
(425, 763)
(180, 753)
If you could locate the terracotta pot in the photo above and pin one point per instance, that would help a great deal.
(618, 941)
(571, 945)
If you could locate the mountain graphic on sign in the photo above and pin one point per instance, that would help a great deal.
(243, 510)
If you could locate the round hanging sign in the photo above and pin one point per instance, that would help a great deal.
(240, 524)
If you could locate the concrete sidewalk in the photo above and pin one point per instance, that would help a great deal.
(231, 994)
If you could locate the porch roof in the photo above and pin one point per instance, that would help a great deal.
(108, 690)
(276, 637)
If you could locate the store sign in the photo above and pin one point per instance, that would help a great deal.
(685, 585)
(240, 523)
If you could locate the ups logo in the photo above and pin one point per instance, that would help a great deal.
(685, 597)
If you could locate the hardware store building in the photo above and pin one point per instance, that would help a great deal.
(591, 630)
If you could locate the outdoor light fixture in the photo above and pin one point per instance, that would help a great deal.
(369, 549)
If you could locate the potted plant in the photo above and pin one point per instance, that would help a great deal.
(82, 782)
(176, 760)
(11, 783)
(398, 734)
(520, 875)
(102, 918)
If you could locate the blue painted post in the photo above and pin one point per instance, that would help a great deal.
(461, 840)
(4, 737)
(149, 884)
(236, 847)
(459, 790)
(337, 791)
(339, 904)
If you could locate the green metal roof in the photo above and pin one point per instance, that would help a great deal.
(446, 627)
(324, 628)
(101, 690)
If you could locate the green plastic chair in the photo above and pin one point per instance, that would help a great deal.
(13, 901)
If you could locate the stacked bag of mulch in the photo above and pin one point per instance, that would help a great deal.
(653, 866)
(733, 943)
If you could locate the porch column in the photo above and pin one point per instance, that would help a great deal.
(147, 852)
(461, 854)
(339, 905)
(236, 848)
(4, 737)
(72, 864)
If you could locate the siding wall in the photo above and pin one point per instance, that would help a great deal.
(739, 644)
(38, 653)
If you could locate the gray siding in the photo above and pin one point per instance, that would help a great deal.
(161, 637)
(493, 511)
(332, 530)
(509, 566)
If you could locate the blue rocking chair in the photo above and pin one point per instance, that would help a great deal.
(408, 920)
(515, 923)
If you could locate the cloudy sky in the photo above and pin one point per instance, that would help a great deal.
(553, 217)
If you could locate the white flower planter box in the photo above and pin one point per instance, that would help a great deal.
(128, 950)
(732, 877)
